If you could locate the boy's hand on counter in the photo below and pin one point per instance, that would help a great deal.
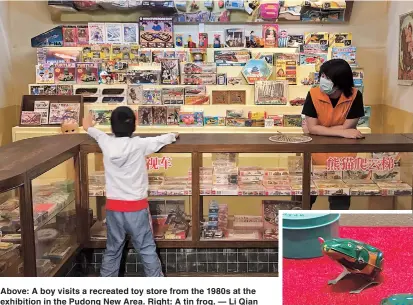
(88, 121)
(352, 134)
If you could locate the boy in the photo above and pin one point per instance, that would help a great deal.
(127, 209)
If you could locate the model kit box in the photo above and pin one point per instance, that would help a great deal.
(35, 89)
(134, 94)
(219, 97)
(145, 117)
(364, 122)
(389, 175)
(234, 113)
(214, 121)
(156, 32)
(30, 118)
(143, 76)
(278, 119)
(159, 114)
(332, 188)
(235, 122)
(199, 79)
(320, 172)
(87, 73)
(340, 39)
(69, 36)
(199, 68)
(51, 38)
(346, 53)
(59, 112)
(365, 190)
(395, 188)
(251, 171)
(170, 71)
(292, 120)
(196, 96)
(64, 90)
(316, 38)
(173, 115)
(286, 67)
(151, 96)
(251, 190)
(271, 92)
(237, 97)
(173, 96)
(191, 119)
(231, 57)
(357, 175)
(312, 59)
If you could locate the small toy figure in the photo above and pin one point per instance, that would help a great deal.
(217, 41)
(283, 39)
(191, 44)
(355, 257)
(69, 126)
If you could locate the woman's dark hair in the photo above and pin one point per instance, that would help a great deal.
(340, 73)
(122, 121)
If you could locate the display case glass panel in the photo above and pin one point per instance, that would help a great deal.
(243, 192)
(54, 218)
(362, 181)
(11, 250)
(169, 196)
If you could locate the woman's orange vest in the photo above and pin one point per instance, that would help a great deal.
(328, 116)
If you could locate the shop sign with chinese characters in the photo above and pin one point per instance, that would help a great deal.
(357, 163)
(158, 163)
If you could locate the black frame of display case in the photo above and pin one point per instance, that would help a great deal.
(25, 160)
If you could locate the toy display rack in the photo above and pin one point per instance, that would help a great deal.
(61, 16)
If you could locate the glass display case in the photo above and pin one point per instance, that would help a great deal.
(217, 193)
(11, 255)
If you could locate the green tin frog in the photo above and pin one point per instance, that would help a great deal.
(355, 257)
(398, 299)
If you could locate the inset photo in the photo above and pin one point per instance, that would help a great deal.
(341, 258)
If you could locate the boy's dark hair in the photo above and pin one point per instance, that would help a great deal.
(340, 73)
(123, 121)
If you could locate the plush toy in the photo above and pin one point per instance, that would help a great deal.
(69, 127)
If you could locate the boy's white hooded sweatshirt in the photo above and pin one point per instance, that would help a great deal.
(125, 163)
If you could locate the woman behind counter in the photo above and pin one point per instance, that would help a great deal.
(333, 109)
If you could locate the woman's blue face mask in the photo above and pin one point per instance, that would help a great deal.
(327, 86)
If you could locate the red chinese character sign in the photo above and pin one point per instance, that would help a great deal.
(157, 163)
(356, 163)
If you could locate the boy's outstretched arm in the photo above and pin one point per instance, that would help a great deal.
(154, 144)
(88, 126)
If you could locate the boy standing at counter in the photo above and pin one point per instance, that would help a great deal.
(124, 158)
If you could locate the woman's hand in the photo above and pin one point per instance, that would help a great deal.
(351, 134)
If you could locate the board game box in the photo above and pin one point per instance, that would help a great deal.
(219, 97)
(156, 32)
(256, 70)
(237, 97)
(286, 67)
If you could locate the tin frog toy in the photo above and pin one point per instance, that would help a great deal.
(398, 299)
(355, 257)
